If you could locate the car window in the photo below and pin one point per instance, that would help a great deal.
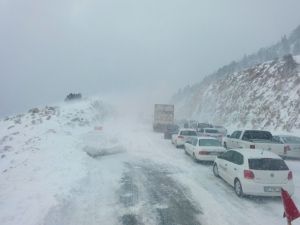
(227, 155)
(277, 139)
(209, 142)
(257, 135)
(194, 142)
(236, 134)
(237, 158)
(233, 134)
(188, 133)
(211, 131)
(267, 164)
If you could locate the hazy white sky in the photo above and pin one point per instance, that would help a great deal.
(50, 48)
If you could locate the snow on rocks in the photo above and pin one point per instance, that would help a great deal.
(41, 157)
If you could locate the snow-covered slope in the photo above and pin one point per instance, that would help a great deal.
(263, 96)
(39, 157)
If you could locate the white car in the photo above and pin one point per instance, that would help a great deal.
(182, 136)
(204, 148)
(210, 132)
(254, 172)
(292, 145)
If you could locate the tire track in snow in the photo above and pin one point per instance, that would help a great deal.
(147, 187)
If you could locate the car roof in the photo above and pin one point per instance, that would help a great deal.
(187, 129)
(256, 153)
(205, 138)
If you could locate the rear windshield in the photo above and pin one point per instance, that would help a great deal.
(256, 134)
(209, 142)
(211, 131)
(267, 164)
(188, 133)
(291, 140)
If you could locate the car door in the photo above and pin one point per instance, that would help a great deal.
(223, 164)
(191, 146)
(235, 139)
(234, 166)
(194, 145)
(230, 140)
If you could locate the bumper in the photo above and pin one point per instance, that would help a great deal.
(205, 157)
(180, 142)
(251, 188)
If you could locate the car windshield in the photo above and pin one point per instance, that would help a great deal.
(209, 142)
(257, 135)
(267, 164)
(211, 131)
(188, 133)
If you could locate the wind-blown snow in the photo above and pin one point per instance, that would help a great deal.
(64, 171)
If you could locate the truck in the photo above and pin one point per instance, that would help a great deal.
(254, 139)
(163, 117)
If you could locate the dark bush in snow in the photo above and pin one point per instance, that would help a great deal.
(73, 96)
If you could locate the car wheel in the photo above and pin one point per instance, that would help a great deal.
(215, 170)
(225, 145)
(238, 188)
(185, 151)
(194, 157)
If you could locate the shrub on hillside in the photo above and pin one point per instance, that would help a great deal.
(73, 96)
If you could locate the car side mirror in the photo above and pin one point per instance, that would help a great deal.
(228, 136)
(189, 142)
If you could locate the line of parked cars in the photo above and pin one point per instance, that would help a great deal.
(251, 161)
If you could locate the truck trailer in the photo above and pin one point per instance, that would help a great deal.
(163, 117)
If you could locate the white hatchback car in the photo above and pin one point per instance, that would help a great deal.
(254, 172)
(204, 148)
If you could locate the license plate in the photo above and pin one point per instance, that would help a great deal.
(272, 189)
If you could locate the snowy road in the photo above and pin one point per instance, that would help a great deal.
(136, 177)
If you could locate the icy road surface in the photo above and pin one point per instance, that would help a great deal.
(134, 176)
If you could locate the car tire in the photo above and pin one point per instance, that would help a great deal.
(216, 170)
(225, 145)
(238, 188)
(185, 151)
(194, 157)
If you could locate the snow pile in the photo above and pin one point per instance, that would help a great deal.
(266, 96)
(41, 157)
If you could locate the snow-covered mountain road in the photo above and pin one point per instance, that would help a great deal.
(82, 166)
(134, 176)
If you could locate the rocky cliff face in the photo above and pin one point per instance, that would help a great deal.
(266, 96)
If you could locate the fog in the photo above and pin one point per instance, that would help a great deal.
(127, 48)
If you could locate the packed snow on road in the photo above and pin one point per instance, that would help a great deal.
(87, 163)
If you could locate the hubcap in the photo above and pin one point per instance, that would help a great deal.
(238, 187)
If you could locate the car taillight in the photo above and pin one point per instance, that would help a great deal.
(286, 149)
(252, 146)
(248, 174)
(180, 137)
(290, 175)
(203, 152)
